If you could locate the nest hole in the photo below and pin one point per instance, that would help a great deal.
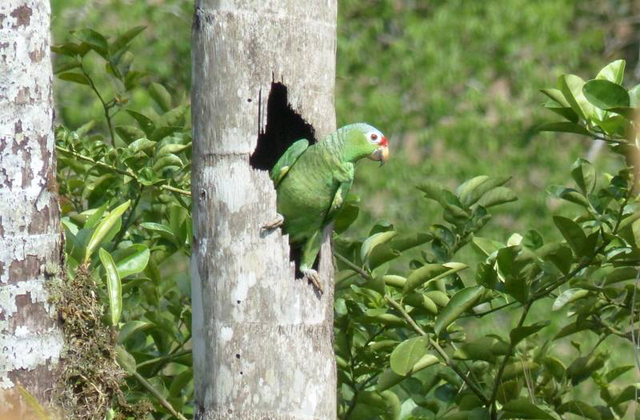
(284, 126)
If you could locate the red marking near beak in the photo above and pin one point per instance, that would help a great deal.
(384, 142)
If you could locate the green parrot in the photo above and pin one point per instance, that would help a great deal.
(313, 181)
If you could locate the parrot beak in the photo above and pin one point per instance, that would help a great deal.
(381, 154)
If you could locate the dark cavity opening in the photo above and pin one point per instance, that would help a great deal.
(283, 128)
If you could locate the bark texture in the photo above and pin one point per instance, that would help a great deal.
(262, 339)
(30, 241)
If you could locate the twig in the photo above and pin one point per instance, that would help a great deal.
(496, 385)
(162, 358)
(352, 266)
(105, 106)
(476, 390)
(120, 171)
(497, 308)
(129, 219)
(156, 394)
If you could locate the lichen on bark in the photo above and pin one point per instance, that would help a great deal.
(30, 338)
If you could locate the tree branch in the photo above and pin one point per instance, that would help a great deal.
(476, 390)
(120, 171)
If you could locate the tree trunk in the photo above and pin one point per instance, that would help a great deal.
(263, 72)
(30, 241)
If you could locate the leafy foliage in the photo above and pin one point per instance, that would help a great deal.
(127, 215)
(413, 312)
(408, 318)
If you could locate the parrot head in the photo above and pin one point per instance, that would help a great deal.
(363, 140)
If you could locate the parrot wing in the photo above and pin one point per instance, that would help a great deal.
(287, 160)
(346, 180)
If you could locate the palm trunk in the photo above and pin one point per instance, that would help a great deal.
(262, 339)
(30, 241)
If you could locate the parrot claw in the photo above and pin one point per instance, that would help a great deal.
(313, 276)
(274, 224)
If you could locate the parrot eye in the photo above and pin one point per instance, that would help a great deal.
(373, 137)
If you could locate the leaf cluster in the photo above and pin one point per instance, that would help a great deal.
(410, 321)
(126, 213)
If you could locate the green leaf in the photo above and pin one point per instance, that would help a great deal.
(634, 96)
(394, 281)
(430, 272)
(103, 228)
(486, 246)
(75, 78)
(573, 328)
(532, 239)
(568, 296)
(621, 274)
(555, 367)
(519, 369)
(405, 356)
(628, 219)
(580, 409)
(568, 194)
(162, 230)
(572, 233)
(173, 117)
(123, 40)
(605, 94)
(571, 87)
(71, 49)
(131, 260)
(376, 405)
(584, 174)
(62, 67)
(171, 149)
(129, 133)
(496, 197)
(567, 112)
(486, 276)
(145, 123)
(132, 327)
(167, 160)
(161, 95)
(439, 298)
(114, 286)
(95, 215)
(437, 192)
(419, 300)
(373, 241)
(613, 72)
(479, 349)
(556, 96)
(628, 112)
(95, 40)
(558, 253)
(179, 383)
(461, 302)
(524, 409)
(520, 333)
(627, 394)
(387, 379)
(616, 372)
(564, 127)
(125, 359)
(141, 145)
(472, 190)
(163, 132)
(345, 218)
